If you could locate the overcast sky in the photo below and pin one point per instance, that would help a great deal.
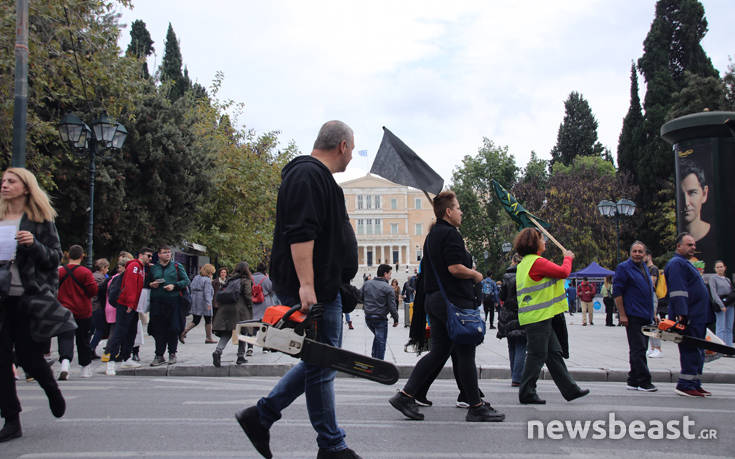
(440, 75)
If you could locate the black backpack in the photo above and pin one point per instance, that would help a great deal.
(230, 293)
(113, 290)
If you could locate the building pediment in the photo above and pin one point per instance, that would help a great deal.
(369, 181)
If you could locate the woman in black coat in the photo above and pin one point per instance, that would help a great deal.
(30, 314)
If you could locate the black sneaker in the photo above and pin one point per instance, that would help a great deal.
(259, 436)
(158, 361)
(581, 393)
(406, 405)
(216, 358)
(241, 360)
(12, 430)
(56, 402)
(422, 401)
(171, 359)
(341, 454)
(484, 413)
(648, 387)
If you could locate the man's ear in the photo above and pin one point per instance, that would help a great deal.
(705, 193)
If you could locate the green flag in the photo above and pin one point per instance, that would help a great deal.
(516, 211)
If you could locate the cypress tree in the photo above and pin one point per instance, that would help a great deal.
(671, 48)
(577, 134)
(631, 136)
(171, 66)
(141, 44)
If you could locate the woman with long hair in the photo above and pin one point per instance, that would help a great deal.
(232, 312)
(721, 290)
(30, 314)
(607, 298)
(541, 296)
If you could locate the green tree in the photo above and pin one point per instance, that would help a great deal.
(699, 94)
(141, 44)
(577, 134)
(485, 225)
(531, 187)
(671, 48)
(631, 137)
(571, 210)
(729, 81)
(171, 65)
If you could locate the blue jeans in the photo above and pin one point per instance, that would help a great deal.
(379, 327)
(723, 325)
(691, 359)
(316, 382)
(517, 356)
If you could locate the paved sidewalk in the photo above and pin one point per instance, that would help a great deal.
(597, 353)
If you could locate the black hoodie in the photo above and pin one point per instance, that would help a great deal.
(311, 207)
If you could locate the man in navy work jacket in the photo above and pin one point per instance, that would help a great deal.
(633, 292)
(689, 305)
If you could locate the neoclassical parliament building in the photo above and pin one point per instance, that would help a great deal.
(390, 221)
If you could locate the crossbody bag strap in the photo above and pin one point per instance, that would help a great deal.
(69, 273)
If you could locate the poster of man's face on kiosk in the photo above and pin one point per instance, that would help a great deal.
(701, 195)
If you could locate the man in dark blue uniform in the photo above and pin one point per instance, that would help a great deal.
(689, 305)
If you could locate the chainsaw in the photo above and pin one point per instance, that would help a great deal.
(288, 330)
(670, 330)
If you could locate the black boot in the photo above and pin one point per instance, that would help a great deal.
(260, 437)
(11, 429)
(406, 405)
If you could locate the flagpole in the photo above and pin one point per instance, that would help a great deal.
(546, 233)
(431, 202)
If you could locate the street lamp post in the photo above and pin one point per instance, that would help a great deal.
(610, 209)
(106, 133)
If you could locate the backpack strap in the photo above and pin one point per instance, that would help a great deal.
(69, 270)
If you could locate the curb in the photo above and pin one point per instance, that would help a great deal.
(489, 372)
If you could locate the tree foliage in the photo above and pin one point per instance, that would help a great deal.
(141, 44)
(485, 225)
(632, 136)
(671, 49)
(577, 134)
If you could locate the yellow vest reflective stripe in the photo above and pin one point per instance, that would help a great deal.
(538, 300)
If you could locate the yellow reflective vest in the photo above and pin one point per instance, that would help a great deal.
(538, 300)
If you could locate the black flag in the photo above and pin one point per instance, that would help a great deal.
(396, 162)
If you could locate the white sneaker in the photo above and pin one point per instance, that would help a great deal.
(655, 354)
(64, 372)
(130, 363)
(110, 368)
(86, 371)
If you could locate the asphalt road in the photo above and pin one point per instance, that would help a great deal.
(193, 417)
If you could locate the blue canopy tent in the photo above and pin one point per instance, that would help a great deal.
(593, 271)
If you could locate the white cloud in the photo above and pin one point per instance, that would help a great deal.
(441, 75)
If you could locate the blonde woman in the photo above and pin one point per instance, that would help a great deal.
(202, 294)
(30, 314)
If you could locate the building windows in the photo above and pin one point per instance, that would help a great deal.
(378, 226)
(419, 253)
(369, 226)
(368, 201)
(394, 204)
(377, 201)
(394, 228)
(360, 226)
(419, 229)
(418, 203)
(359, 201)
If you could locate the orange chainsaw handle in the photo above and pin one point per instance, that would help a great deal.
(670, 325)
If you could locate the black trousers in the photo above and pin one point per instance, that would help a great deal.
(489, 306)
(441, 348)
(122, 337)
(165, 324)
(81, 336)
(15, 332)
(542, 347)
(637, 347)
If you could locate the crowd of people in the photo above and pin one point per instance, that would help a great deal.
(314, 256)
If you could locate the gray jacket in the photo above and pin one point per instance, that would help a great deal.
(719, 286)
(379, 299)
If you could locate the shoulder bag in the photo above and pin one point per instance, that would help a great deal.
(465, 326)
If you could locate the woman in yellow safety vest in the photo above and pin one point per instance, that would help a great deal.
(541, 296)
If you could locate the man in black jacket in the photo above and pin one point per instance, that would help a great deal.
(314, 252)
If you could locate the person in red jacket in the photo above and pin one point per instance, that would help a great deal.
(76, 289)
(586, 293)
(122, 338)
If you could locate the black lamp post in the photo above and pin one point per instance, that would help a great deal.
(624, 207)
(106, 133)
